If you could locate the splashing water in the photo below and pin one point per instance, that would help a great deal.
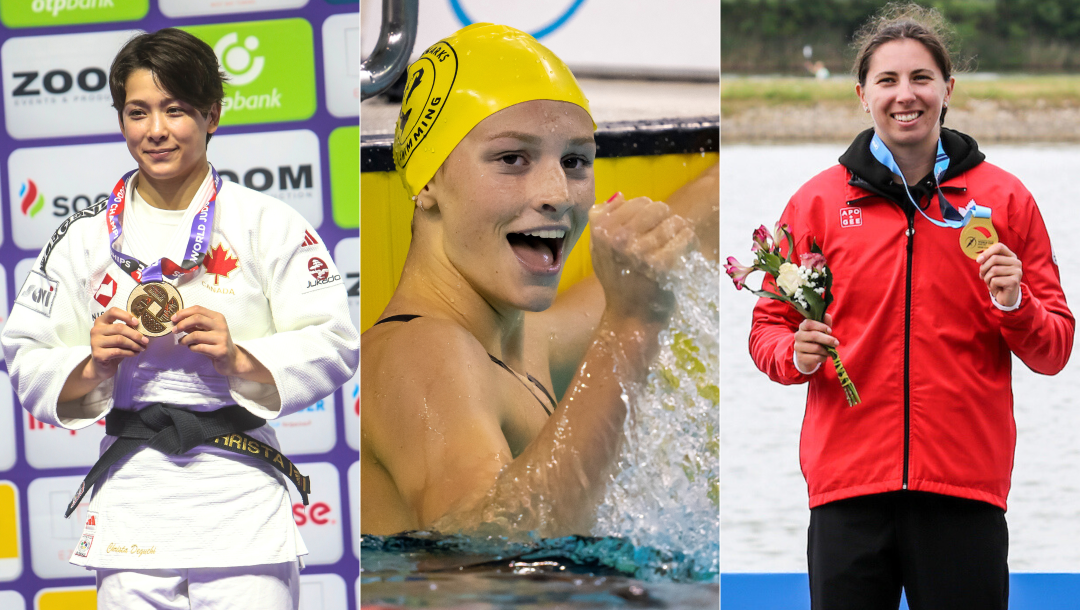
(665, 493)
(659, 519)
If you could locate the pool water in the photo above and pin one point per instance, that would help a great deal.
(419, 569)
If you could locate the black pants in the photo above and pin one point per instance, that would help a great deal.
(946, 553)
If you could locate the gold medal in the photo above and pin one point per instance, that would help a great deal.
(153, 303)
(978, 235)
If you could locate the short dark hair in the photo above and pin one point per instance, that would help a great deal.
(898, 21)
(183, 65)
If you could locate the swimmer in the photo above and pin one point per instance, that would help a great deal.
(488, 403)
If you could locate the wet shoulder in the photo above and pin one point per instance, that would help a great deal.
(427, 354)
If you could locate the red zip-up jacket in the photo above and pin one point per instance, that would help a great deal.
(927, 349)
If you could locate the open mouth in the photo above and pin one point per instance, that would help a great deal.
(906, 117)
(539, 251)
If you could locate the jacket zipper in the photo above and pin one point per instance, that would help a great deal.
(910, 213)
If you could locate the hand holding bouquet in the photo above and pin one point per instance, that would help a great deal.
(806, 287)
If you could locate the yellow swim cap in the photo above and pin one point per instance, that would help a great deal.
(461, 80)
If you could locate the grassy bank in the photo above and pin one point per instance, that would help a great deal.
(1042, 108)
(1057, 91)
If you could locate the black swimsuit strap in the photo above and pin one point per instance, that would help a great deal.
(532, 379)
(405, 317)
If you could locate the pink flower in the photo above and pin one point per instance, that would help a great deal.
(737, 272)
(813, 260)
(762, 240)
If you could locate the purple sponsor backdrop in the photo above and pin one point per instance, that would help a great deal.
(322, 123)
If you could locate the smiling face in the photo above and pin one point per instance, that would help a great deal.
(513, 198)
(167, 137)
(905, 91)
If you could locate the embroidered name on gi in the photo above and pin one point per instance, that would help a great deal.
(130, 550)
(243, 444)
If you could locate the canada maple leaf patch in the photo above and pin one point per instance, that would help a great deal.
(219, 262)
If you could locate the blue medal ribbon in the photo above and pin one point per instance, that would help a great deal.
(953, 218)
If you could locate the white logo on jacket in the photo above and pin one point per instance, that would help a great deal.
(851, 217)
(106, 291)
(38, 293)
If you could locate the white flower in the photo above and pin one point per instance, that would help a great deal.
(790, 278)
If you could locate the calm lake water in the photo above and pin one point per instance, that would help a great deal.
(764, 515)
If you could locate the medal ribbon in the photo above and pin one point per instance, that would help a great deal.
(198, 236)
(953, 218)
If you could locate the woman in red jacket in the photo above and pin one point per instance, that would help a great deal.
(943, 270)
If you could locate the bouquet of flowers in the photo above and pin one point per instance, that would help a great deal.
(806, 287)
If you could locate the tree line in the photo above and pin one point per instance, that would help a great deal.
(769, 36)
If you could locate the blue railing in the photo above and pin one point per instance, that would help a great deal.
(772, 591)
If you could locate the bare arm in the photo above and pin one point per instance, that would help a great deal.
(554, 485)
(569, 324)
(698, 201)
(442, 443)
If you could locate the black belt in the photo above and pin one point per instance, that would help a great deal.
(175, 431)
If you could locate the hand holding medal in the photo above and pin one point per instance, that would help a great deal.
(156, 307)
(207, 333)
(154, 301)
(998, 266)
(110, 344)
(1002, 271)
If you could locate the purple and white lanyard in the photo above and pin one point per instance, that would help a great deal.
(952, 217)
(198, 236)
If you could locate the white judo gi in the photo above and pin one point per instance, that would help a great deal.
(271, 276)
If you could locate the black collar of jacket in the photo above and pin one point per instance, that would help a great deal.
(870, 175)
